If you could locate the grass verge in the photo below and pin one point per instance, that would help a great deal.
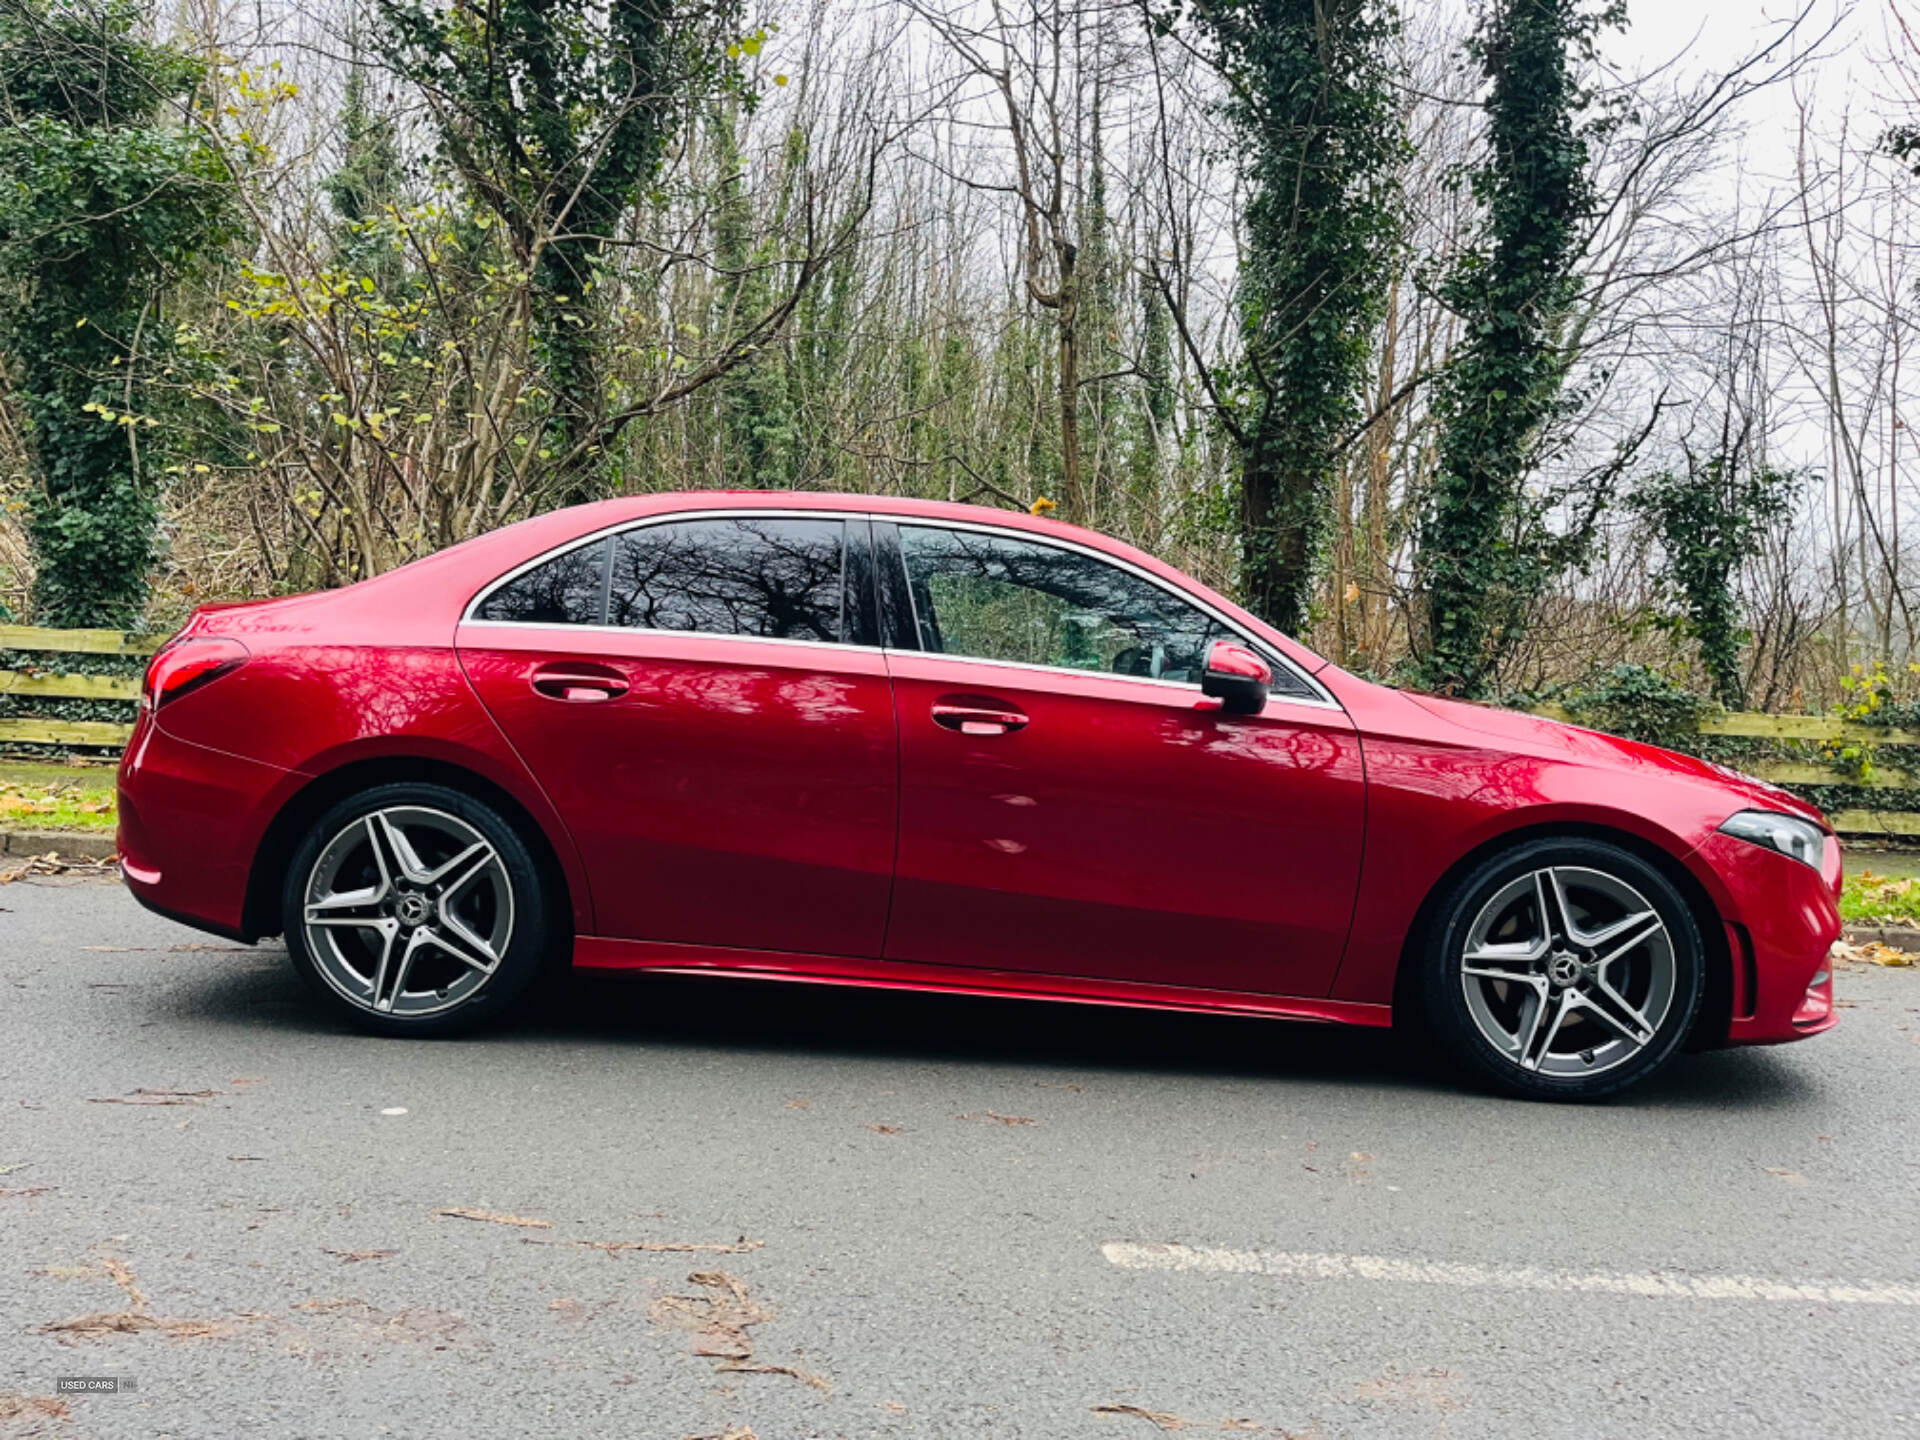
(56, 797)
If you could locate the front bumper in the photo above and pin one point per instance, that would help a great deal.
(1781, 920)
(191, 820)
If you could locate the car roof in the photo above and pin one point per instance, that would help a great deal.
(478, 561)
(612, 512)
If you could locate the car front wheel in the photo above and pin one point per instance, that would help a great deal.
(1563, 969)
(415, 909)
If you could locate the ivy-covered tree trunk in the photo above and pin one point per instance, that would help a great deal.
(1314, 102)
(91, 516)
(104, 199)
(1481, 554)
(1711, 518)
(555, 114)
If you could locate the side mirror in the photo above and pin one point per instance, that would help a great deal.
(1237, 678)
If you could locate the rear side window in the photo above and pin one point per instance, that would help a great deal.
(569, 589)
(771, 577)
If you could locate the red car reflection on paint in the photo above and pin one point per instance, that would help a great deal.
(930, 746)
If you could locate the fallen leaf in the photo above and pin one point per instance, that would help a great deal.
(27, 1192)
(798, 1104)
(118, 1271)
(15, 1406)
(1792, 1177)
(135, 1319)
(53, 863)
(720, 1319)
(732, 1432)
(133, 1322)
(355, 1257)
(156, 1097)
(246, 1157)
(1003, 1119)
(1167, 1420)
(742, 1246)
(492, 1217)
(1873, 952)
(884, 1129)
(1431, 1389)
(357, 1316)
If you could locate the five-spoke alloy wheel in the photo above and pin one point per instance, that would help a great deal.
(415, 909)
(1563, 969)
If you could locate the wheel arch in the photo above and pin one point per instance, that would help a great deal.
(1716, 1002)
(261, 910)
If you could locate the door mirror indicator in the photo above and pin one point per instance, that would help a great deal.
(1237, 678)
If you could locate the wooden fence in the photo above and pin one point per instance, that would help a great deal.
(33, 730)
(1819, 728)
(36, 730)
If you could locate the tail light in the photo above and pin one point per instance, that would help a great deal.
(185, 665)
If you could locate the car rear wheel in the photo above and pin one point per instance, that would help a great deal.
(1563, 970)
(415, 909)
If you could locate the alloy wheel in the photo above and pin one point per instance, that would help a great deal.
(408, 911)
(1568, 971)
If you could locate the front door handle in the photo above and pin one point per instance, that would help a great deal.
(580, 682)
(972, 717)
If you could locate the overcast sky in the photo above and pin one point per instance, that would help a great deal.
(1716, 35)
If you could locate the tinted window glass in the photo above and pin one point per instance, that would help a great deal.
(775, 578)
(999, 598)
(567, 590)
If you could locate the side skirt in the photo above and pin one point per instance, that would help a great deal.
(591, 952)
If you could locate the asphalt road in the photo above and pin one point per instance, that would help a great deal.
(944, 1218)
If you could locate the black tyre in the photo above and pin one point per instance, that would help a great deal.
(415, 909)
(1562, 970)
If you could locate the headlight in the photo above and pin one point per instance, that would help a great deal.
(1789, 834)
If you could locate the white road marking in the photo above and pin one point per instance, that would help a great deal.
(1305, 1266)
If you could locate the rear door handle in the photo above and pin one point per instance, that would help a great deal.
(580, 682)
(973, 718)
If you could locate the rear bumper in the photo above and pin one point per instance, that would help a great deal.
(190, 823)
(1781, 920)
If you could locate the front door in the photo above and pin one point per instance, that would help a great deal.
(691, 695)
(1068, 807)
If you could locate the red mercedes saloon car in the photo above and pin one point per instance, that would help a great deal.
(931, 746)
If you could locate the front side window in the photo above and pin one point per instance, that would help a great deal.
(772, 577)
(566, 590)
(1000, 598)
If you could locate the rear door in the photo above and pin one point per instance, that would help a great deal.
(703, 701)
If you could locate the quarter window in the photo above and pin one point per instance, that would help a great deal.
(776, 578)
(566, 590)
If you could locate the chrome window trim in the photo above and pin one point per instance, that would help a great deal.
(1163, 687)
(1159, 687)
(833, 645)
(1320, 699)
